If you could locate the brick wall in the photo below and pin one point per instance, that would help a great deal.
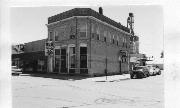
(98, 50)
(101, 50)
(35, 46)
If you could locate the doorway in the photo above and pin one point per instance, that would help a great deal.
(63, 61)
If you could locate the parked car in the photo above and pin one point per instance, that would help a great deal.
(16, 71)
(152, 70)
(140, 72)
(158, 71)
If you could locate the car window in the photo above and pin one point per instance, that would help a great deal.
(136, 68)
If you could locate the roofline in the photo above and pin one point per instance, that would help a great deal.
(36, 40)
(91, 17)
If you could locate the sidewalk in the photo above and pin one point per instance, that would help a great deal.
(110, 78)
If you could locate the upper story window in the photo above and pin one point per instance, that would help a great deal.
(109, 34)
(83, 29)
(123, 41)
(113, 41)
(105, 36)
(72, 32)
(56, 35)
(93, 32)
(117, 40)
(51, 36)
(98, 33)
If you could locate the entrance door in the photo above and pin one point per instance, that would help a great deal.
(57, 60)
(83, 60)
(63, 61)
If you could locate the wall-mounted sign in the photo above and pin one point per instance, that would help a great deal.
(49, 48)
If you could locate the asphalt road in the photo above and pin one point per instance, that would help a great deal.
(41, 92)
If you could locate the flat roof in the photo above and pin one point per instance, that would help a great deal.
(86, 12)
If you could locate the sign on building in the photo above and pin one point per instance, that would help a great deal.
(49, 48)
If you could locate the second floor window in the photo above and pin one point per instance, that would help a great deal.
(105, 36)
(72, 32)
(98, 33)
(83, 29)
(109, 34)
(113, 41)
(51, 36)
(56, 35)
(117, 40)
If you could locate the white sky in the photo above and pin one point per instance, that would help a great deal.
(28, 23)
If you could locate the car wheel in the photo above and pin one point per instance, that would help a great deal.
(132, 76)
(135, 76)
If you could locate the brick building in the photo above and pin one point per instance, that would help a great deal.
(85, 42)
(32, 57)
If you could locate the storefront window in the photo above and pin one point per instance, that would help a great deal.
(83, 57)
(57, 51)
(72, 57)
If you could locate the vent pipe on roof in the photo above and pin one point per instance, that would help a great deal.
(100, 10)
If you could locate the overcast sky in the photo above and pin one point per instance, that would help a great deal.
(28, 23)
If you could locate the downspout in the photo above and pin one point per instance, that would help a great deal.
(90, 46)
(76, 48)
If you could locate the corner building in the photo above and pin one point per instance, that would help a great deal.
(87, 42)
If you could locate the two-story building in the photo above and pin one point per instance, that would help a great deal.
(87, 42)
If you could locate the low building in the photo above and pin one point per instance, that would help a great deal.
(32, 58)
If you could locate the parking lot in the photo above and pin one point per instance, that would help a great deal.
(46, 92)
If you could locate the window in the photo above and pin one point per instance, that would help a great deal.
(51, 36)
(83, 57)
(93, 32)
(109, 36)
(105, 36)
(113, 40)
(56, 36)
(98, 33)
(57, 51)
(72, 57)
(104, 39)
(117, 40)
(123, 41)
(83, 29)
(72, 32)
(125, 44)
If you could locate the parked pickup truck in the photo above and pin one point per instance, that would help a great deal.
(140, 72)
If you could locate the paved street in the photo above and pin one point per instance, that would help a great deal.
(43, 92)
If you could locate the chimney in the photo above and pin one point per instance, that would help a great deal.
(100, 10)
(131, 15)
